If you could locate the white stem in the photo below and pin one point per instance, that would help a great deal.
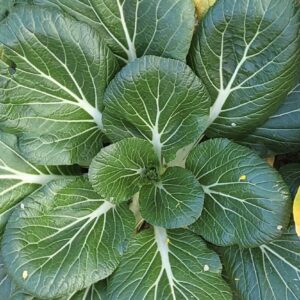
(93, 112)
(162, 242)
(41, 179)
(131, 53)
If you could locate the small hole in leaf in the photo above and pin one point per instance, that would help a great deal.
(12, 68)
(6, 13)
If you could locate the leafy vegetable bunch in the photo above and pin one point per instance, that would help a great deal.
(162, 114)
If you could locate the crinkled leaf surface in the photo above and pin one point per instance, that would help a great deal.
(119, 170)
(271, 271)
(19, 177)
(245, 199)
(291, 175)
(246, 53)
(281, 133)
(53, 72)
(96, 291)
(65, 239)
(9, 291)
(174, 201)
(134, 28)
(160, 100)
(168, 265)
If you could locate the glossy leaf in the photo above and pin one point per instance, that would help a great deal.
(78, 239)
(119, 170)
(174, 201)
(246, 53)
(246, 201)
(281, 133)
(19, 177)
(160, 100)
(271, 271)
(53, 73)
(134, 28)
(168, 265)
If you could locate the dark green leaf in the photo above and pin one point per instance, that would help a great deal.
(119, 170)
(281, 133)
(96, 291)
(53, 73)
(65, 239)
(291, 175)
(174, 201)
(168, 265)
(9, 291)
(246, 52)
(7, 288)
(19, 177)
(134, 28)
(160, 100)
(5, 7)
(246, 201)
(271, 271)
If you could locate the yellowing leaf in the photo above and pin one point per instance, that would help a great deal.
(270, 160)
(296, 212)
(202, 6)
(243, 178)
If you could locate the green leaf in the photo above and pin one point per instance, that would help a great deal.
(55, 70)
(160, 100)
(246, 53)
(65, 239)
(119, 170)
(19, 177)
(5, 7)
(134, 28)
(246, 200)
(281, 133)
(168, 265)
(271, 271)
(174, 201)
(9, 291)
(291, 175)
(96, 291)
(7, 287)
